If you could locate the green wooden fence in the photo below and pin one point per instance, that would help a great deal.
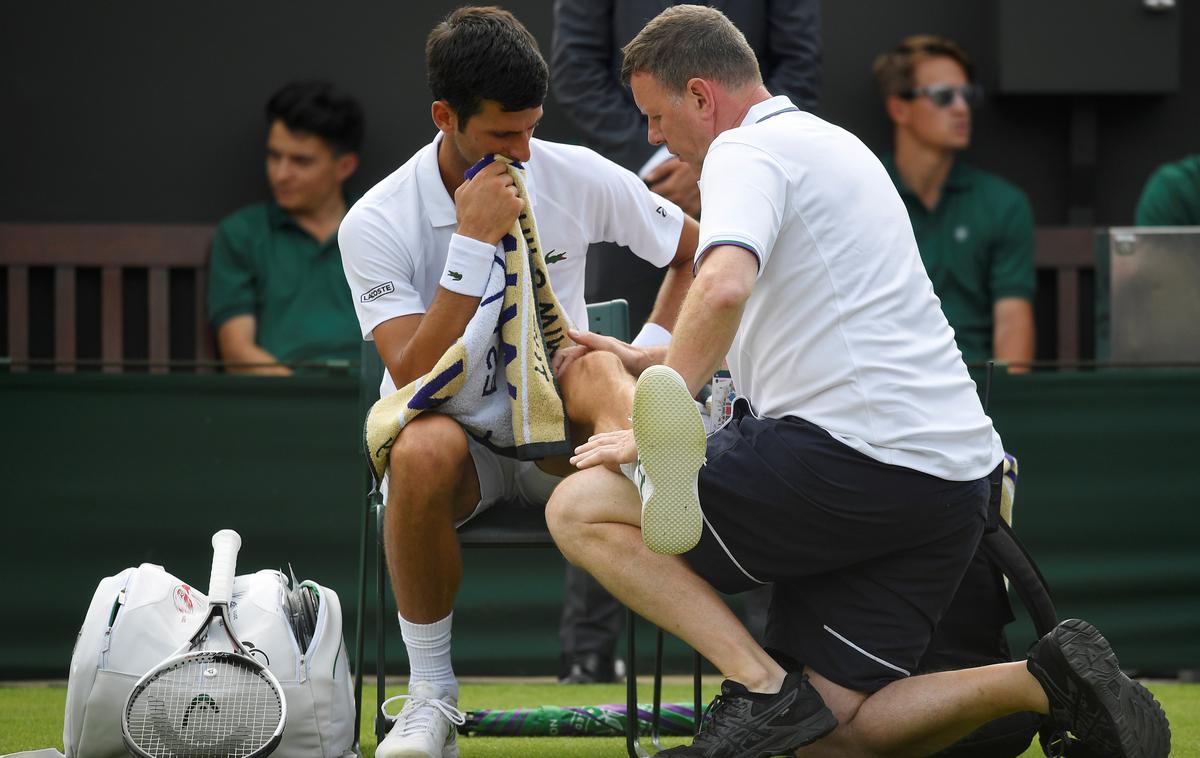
(99, 472)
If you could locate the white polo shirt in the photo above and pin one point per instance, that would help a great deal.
(395, 238)
(842, 328)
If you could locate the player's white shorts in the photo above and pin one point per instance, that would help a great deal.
(502, 479)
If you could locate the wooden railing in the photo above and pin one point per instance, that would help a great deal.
(113, 249)
(158, 249)
(1068, 251)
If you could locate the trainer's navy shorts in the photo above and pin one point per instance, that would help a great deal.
(864, 557)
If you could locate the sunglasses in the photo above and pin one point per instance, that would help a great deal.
(942, 95)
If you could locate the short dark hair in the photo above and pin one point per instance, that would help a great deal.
(485, 53)
(687, 41)
(318, 108)
(894, 69)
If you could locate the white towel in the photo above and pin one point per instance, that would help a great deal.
(495, 380)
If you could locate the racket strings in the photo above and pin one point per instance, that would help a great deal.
(208, 705)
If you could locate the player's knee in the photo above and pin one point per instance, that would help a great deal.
(600, 367)
(431, 448)
(558, 514)
(563, 512)
(595, 375)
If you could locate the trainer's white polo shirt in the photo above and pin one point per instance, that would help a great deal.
(395, 238)
(842, 328)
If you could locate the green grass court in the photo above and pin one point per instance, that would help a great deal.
(32, 716)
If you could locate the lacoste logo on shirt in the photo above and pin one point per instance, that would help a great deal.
(455, 275)
(377, 292)
(554, 257)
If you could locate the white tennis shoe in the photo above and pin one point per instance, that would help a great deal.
(671, 443)
(425, 727)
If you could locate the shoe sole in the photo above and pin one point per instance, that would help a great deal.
(671, 444)
(810, 730)
(1133, 724)
(450, 751)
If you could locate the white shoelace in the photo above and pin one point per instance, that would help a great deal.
(416, 715)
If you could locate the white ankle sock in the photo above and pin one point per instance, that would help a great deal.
(428, 647)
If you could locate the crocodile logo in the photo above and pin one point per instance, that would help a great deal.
(455, 275)
(555, 257)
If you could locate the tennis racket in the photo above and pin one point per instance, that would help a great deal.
(207, 703)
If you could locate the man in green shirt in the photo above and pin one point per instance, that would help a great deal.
(277, 293)
(974, 229)
(1172, 195)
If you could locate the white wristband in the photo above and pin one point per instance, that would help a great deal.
(468, 265)
(651, 335)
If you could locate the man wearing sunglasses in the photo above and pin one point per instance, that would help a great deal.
(974, 229)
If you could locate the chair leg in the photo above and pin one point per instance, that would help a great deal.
(632, 745)
(656, 709)
(360, 627)
(381, 723)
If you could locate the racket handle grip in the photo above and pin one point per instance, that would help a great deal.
(226, 544)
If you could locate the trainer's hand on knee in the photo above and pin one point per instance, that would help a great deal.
(487, 204)
(565, 356)
(634, 359)
(609, 449)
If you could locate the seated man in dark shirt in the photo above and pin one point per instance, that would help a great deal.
(277, 294)
(1171, 196)
(974, 229)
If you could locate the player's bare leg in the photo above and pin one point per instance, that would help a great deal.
(431, 484)
(595, 519)
(594, 516)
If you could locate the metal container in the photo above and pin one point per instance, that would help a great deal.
(1155, 295)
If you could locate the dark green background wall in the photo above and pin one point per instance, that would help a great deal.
(143, 111)
(102, 472)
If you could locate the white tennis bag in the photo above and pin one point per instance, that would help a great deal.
(142, 615)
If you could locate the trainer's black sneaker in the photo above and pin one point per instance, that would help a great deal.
(1091, 699)
(744, 724)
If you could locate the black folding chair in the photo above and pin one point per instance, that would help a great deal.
(506, 525)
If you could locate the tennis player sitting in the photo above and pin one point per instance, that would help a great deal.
(857, 470)
(417, 250)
